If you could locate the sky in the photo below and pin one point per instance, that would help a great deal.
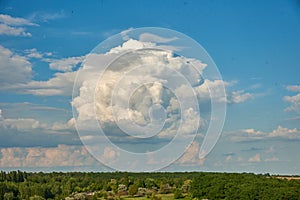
(44, 45)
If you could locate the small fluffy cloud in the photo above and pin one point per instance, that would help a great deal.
(294, 101)
(272, 159)
(66, 64)
(247, 135)
(14, 68)
(13, 31)
(11, 26)
(32, 132)
(15, 21)
(283, 132)
(110, 155)
(238, 97)
(21, 124)
(58, 126)
(1, 117)
(293, 88)
(61, 84)
(212, 89)
(255, 158)
(228, 158)
(62, 155)
(131, 45)
(29, 124)
(34, 53)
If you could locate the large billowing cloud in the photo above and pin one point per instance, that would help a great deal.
(142, 96)
(149, 78)
(145, 76)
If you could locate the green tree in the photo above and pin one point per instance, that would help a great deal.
(133, 189)
(9, 196)
(177, 194)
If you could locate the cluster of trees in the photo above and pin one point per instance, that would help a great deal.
(200, 185)
(58, 185)
(243, 186)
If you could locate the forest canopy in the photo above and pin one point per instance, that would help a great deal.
(158, 185)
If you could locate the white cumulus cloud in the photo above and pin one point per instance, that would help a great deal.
(110, 155)
(13, 31)
(14, 68)
(293, 88)
(61, 84)
(294, 101)
(14, 26)
(139, 81)
(22, 124)
(253, 135)
(15, 21)
(66, 64)
(62, 155)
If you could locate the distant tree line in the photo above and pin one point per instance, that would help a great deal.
(186, 185)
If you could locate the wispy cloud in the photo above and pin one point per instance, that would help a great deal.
(148, 37)
(272, 159)
(13, 31)
(14, 26)
(43, 16)
(34, 53)
(15, 21)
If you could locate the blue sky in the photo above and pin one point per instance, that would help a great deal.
(254, 44)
